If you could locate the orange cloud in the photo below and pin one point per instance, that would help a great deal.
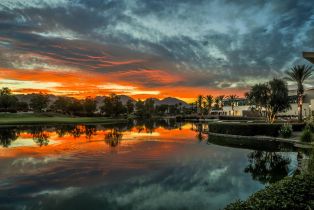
(140, 84)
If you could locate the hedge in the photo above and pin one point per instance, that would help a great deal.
(250, 129)
(288, 194)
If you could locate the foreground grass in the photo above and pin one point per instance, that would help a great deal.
(289, 193)
(51, 118)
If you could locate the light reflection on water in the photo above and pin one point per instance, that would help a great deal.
(146, 165)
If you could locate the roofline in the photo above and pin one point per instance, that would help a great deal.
(309, 56)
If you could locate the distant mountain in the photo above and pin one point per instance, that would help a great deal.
(27, 97)
(172, 101)
(123, 98)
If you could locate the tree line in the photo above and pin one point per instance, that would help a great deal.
(111, 106)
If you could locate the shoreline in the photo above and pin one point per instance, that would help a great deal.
(249, 140)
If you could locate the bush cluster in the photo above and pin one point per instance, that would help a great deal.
(289, 193)
(251, 129)
(286, 130)
(245, 129)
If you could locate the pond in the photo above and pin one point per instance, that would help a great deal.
(140, 165)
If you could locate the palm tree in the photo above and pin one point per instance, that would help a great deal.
(219, 100)
(298, 74)
(232, 100)
(209, 101)
(199, 103)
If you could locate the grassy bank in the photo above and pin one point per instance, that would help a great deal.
(51, 118)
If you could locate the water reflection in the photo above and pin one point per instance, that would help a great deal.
(157, 164)
(113, 137)
(267, 167)
(7, 135)
(40, 135)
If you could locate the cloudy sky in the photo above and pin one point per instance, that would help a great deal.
(150, 48)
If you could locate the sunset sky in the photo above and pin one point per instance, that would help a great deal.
(150, 48)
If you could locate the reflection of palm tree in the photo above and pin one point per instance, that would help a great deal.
(40, 136)
(7, 135)
(113, 137)
(267, 167)
(199, 129)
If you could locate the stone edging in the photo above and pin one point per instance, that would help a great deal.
(266, 138)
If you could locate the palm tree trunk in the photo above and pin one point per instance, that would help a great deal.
(300, 107)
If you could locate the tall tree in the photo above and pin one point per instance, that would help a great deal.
(272, 96)
(8, 101)
(232, 100)
(278, 99)
(299, 74)
(258, 96)
(199, 103)
(90, 105)
(219, 101)
(39, 102)
(130, 106)
(209, 102)
(113, 106)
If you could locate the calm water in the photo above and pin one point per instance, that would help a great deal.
(154, 165)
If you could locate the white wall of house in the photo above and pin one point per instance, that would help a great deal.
(294, 110)
(238, 110)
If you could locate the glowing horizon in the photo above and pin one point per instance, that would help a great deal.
(149, 49)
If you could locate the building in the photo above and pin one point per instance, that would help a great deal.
(309, 56)
(242, 108)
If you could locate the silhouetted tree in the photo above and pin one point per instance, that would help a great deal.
(209, 102)
(113, 106)
(39, 102)
(89, 105)
(130, 106)
(8, 101)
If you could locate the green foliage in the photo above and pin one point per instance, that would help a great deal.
(289, 193)
(112, 106)
(245, 129)
(272, 96)
(8, 102)
(307, 135)
(39, 102)
(130, 106)
(89, 104)
(310, 126)
(286, 130)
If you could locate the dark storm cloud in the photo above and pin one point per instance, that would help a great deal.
(208, 42)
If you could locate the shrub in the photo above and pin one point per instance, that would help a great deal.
(286, 130)
(245, 129)
(310, 126)
(289, 193)
(307, 135)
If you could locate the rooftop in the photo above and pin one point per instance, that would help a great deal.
(309, 56)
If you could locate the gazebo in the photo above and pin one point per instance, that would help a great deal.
(309, 56)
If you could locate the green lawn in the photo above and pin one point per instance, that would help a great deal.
(51, 118)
